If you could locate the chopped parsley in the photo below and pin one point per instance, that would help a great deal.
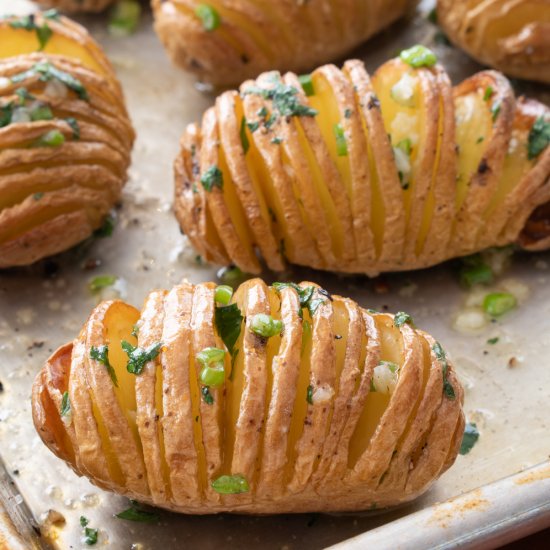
(309, 394)
(405, 145)
(90, 535)
(207, 396)
(139, 357)
(469, 439)
(305, 295)
(228, 321)
(307, 84)
(448, 389)
(341, 144)
(539, 138)
(101, 355)
(48, 72)
(400, 318)
(209, 17)
(107, 228)
(28, 22)
(73, 123)
(213, 177)
(277, 140)
(244, 137)
(493, 341)
(480, 139)
(495, 111)
(488, 93)
(135, 513)
(83, 521)
(253, 126)
(65, 404)
(38, 196)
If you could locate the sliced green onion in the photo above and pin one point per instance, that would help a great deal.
(480, 274)
(244, 138)
(495, 111)
(213, 375)
(65, 404)
(210, 18)
(309, 394)
(223, 294)
(231, 485)
(307, 84)
(341, 145)
(401, 318)
(405, 145)
(41, 112)
(265, 326)
(499, 303)
(539, 138)
(102, 281)
(124, 18)
(419, 56)
(207, 356)
(488, 93)
(53, 138)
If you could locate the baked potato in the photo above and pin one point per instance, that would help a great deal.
(227, 41)
(269, 400)
(512, 36)
(65, 137)
(77, 6)
(341, 172)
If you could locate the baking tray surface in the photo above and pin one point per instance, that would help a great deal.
(507, 384)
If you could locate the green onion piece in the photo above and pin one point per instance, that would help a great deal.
(539, 138)
(341, 145)
(488, 93)
(38, 196)
(210, 18)
(400, 318)
(230, 485)
(231, 275)
(309, 394)
(41, 112)
(244, 138)
(124, 18)
(418, 56)
(51, 14)
(53, 138)
(107, 228)
(405, 145)
(101, 355)
(207, 396)
(207, 356)
(469, 439)
(499, 303)
(65, 404)
(495, 111)
(493, 341)
(265, 326)
(212, 375)
(102, 281)
(223, 294)
(480, 274)
(307, 84)
(90, 536)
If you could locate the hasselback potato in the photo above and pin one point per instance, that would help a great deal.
(274, 399)
(226, 41)
(77, 6)
(341, 172)
(65, 137)
(512, 36)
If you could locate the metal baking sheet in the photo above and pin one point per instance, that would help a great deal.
(507, 385)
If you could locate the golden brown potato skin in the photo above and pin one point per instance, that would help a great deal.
(53, 197)
(302, 416)
(255, 36)
(512, 36)
(77, 6)
(292, 190)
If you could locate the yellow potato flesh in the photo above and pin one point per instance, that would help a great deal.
(391, 349)
(20, 41)
(197, 426)
(401, 121)
(474, 128)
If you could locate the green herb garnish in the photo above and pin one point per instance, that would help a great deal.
(277, 140)
(210, 18)
(107, 228)
(309, 394)
(495, 111)
(83, 521)
(228, 320)
(213, 177)
(230, 485)
(400, 318)
(38, 196)
(418, 56)
(475, 272)
(73, 123)
(539, 138)
(493, 341)
(244, 137)
(139, 357)
(28, 22)
(265, 326)
(136, 514)
(101, 355)
(65, 404)
(124, 18)
(207, 396)
(441, 356)
(499, 303)
(212, 361)
(223, 294)
(488, 93)
(102, 281)
(307, 84)
(90, 536)
(341, 144)
(469, 439)
(53, 138)
(405, 145)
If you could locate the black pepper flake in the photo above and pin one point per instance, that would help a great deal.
(483, 166)
(1, 387)
(374, 103)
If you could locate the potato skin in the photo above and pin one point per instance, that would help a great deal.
(289, 419)
(313, 195)
(509, 35)
(77, 6)
(257, 36)
(53, 197)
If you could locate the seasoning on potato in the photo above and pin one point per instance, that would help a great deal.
(65, 137)
(343, 172)
(279, 399)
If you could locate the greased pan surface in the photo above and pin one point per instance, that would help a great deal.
(507, 384)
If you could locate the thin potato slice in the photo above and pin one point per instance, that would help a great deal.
(305, 419)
